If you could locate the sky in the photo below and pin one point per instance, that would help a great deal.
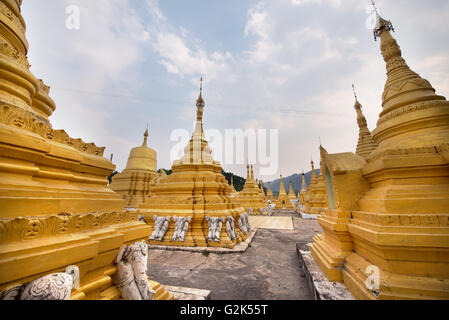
(285, 65)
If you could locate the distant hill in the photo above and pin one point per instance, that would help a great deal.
(295, 179)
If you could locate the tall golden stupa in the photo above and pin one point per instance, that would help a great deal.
(55, 208)
(196, 189)
(250, 197)
(386, 233)
(283, 200)
(134, 183)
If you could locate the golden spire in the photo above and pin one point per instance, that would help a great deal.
(381, 23)
(145, 138)
(366, 143)
(403, 86)
(313, 169)
(200, 103)
(252, 173)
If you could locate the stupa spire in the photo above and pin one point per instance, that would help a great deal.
(313, 169)
(145, 138)
(403, 86)
(303, 182)
(381, 23)
(252, 173)
(366, 143)
(200, 103)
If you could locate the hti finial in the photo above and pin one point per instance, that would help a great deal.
(381, 23)
(200, 103)
(145, 137)
(375, 8)
(353, 89)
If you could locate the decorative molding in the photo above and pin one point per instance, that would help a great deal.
(11, 17)
(9, 51)
(410, 108)
(28, 121)
(402, 152)
(390, 220)
(30, 228)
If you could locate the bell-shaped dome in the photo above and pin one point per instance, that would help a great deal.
(142, 158)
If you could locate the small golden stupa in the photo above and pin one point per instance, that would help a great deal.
(134, 183)
(282, 199)
(291, 192)
(250, 197)
(270, 196)
(196, 189)
(310, 192)
(234, 192)
(366, 144)
(318, 201)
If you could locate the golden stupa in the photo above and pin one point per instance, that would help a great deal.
(196, 189)
(300, 204)
(134, 183)
(318, 201)
(291, 193)
(388, 216)
(234, 192)
(56, 209)
(310, 192)
(366, 144)
(250, 197)
(270, 196)
(261, 191)
(282, 200)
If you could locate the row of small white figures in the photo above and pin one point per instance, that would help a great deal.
(131, 279)
(161, 225)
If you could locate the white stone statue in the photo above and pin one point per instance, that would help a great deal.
(230, 228)
(160, 227)
(215, 226)
(244, 223)
(55, 286)
(181, 227)
(131, 276)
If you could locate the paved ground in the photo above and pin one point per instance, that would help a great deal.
(263, 222)
(268, 270)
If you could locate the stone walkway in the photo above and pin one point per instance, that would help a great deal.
(268, 270)
(273, 222)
